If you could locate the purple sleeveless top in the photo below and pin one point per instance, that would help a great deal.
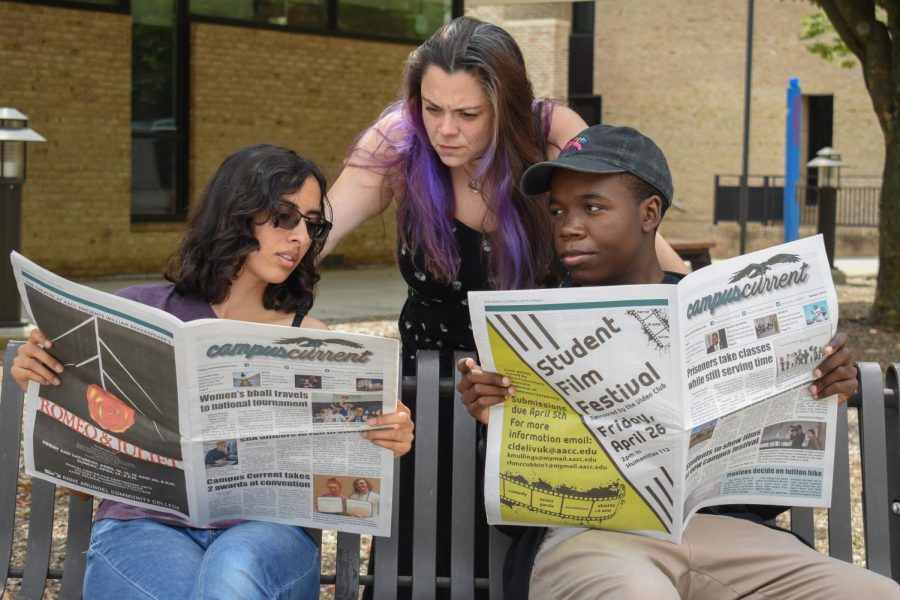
(186, 308)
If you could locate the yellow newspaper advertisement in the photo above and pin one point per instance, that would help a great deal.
(634, 408)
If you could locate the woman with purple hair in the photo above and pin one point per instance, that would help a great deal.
(451, 151)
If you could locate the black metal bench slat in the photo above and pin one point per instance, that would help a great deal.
(386, 581)
(874, 468)
(77, 542)
(425, 500)
(462, 540)
(892, 431)
(10, 434)
(40, 536)
(346, 585)
(840, 535)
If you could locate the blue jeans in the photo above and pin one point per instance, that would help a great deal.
(145, 559)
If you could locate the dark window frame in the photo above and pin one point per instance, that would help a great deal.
(119, 6)
(330, 29)
(181, 181)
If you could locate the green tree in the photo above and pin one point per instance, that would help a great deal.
(870, 30)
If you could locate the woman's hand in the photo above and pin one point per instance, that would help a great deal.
(34, 363)
(399, 437)
(480, 389)
(837, 373)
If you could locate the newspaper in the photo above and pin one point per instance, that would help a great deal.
(636, 406)
(212, 419)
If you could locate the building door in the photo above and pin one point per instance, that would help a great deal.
(819, 119)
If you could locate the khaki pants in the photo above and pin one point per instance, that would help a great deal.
(720, 558)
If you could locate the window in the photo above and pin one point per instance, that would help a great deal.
(407, 20)
(399, 19)
(157, 188)
(300, 13)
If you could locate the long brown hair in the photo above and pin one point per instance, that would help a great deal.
(520, 243)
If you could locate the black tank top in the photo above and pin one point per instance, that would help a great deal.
(435, 315)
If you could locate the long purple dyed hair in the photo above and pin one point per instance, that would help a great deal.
(521, 244)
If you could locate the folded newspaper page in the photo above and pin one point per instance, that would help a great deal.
(212, 419)
(638, 405)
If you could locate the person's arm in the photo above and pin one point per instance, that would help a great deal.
(359, 193)
(313, 323)
(836, 374)
(566, 124)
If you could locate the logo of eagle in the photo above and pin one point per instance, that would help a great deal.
(308, 342)
(759, 269)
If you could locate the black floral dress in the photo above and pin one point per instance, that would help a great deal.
(435, 315)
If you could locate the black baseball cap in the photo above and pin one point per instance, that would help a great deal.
(605, 149)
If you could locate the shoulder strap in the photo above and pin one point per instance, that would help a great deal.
(298, 317)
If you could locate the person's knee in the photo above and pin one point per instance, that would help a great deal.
(625, 580)
(263, 560)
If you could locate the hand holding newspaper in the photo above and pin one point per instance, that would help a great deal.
(636, 406)
(209, 420)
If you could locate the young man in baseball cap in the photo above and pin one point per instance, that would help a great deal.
(609, 189)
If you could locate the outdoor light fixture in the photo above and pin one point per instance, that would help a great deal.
(14, 134)
(828, 162)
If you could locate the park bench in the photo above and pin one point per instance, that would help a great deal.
(880, 447)
(696, 252)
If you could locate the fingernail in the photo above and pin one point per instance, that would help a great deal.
(506, 381)
(817, 373)
(371, 421)
(827, 349)
(511, 390)
(813, 390)
(56, 381)
(58, 368)
(365, 435)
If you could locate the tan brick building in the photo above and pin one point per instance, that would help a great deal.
(69, 70)
(674, 69)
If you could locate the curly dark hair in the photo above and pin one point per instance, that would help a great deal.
(220, 233)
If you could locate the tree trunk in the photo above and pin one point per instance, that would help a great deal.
(885, 311)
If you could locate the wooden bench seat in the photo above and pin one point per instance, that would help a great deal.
(696, 252)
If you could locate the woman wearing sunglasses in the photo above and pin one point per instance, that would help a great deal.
(248, 254)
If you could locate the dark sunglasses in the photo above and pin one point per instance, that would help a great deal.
(286, 216)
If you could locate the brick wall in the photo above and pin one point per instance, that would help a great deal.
(675, 70)
(69, 71)
(310, 93)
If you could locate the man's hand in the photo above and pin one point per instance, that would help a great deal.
(398, 437)
(481, 389)
(837, 373)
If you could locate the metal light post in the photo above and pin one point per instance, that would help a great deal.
(828, 162)
(14, 133)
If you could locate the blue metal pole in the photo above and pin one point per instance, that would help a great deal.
(792, 162)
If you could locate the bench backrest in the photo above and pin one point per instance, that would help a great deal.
(880, 448)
